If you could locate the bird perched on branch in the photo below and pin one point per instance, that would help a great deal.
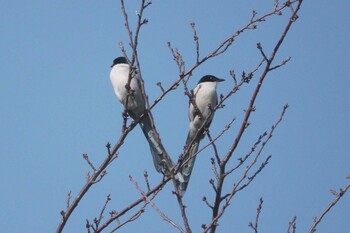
(130, 94)
(201, 112)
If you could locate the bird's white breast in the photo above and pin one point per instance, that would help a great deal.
(205, 96)
(119, 77)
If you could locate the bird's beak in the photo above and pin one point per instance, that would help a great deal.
(221, 80)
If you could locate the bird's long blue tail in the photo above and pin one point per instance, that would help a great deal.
(155, 147)
(187, 168)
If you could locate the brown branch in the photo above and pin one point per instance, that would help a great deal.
(131, 219)
(69, 197)
(92, 180)
(292, 225)
(207, 203)
(103, 209)
(258, 45)
(261, 80)
(183, 212)
(100, 172)
(281, 64)
(154, 206)
(135, 60)
(215, 52)
(86, 157)
(238, 187)
(217, 212)
(216, 153)
(214, 169)
(159, 84)
(108, 146)
(136, 215)
(139, 212)
(133, 40)
(258, 211)
(122, 48)
(177, 57)
(338, 196)
(243, 159)
(156, 189)
(145, 175)
(111, 155)
(97, 221)
(196, 40)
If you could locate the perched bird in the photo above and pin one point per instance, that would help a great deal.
(134, 102)
(201, 107)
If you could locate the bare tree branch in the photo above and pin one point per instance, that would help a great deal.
(86, 157)
(292, 225)
(217, 212)
(183, 212)
(219, 164)
(338, 196)
(96, 175)
(256, 223)
(156, 189)
(97, 221)
(161, 214)
(196, 40)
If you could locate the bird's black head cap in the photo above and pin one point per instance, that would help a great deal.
(119, 60)
(210, 78)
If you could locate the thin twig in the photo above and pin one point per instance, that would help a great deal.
(155, 190)
(108, 146)
(216, 153)
(217, 212)
(183, 212)
(145, 174)
(338, 196)
(131, 219)
(207, 203)
(243, 159)
(281, 64)
(69, 197)
(258, 45)
(136, 215)
(292, 225)
(256, 223)
(96, 175)
(196, 40)
(135, 60)
(161, 214)
(86, 157)
(214, 169)
(215, 52)
(97, 221)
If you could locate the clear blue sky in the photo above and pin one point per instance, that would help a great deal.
(56, 103)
